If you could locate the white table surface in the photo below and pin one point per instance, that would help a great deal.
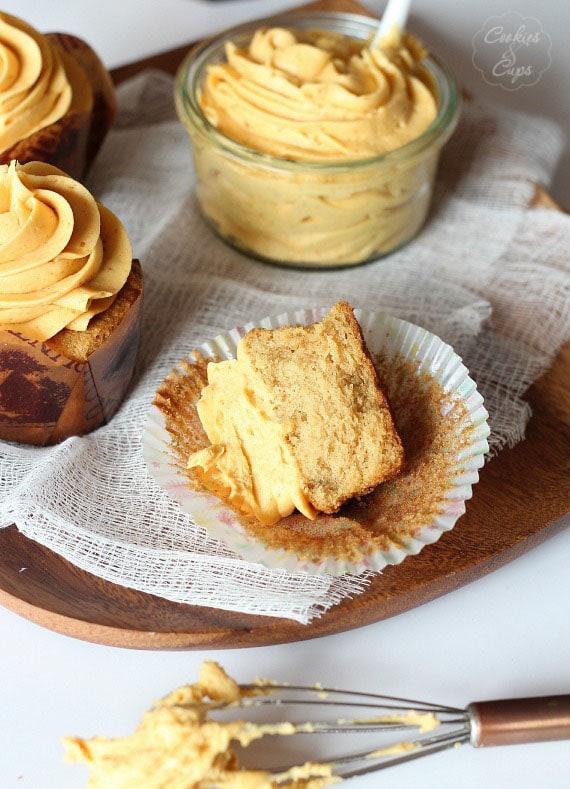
(507, 634)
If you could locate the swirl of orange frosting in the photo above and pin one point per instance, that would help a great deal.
(35, 90)
(315, 95)
(63, 256)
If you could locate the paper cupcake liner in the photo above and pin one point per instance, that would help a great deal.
(426, 361)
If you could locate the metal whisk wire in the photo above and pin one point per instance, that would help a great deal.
(369, 712)
(425, 728)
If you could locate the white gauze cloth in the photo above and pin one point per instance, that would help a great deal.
(488, 274)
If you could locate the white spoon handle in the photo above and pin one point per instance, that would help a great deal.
(395, 14)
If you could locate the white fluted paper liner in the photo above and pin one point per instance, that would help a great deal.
(385, 336)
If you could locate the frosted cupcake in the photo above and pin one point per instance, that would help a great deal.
(70, 306)
(57, 101)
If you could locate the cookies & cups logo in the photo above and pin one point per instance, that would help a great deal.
(511, 51)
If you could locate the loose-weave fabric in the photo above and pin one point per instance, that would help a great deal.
(489, 274)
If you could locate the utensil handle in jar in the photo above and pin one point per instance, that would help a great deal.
(513, 721)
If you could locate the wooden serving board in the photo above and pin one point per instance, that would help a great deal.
(518, 503)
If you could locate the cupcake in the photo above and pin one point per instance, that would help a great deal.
(298, 420)
(57, 101)
(70, 306)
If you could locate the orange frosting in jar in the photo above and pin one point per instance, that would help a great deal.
(63, 256)
(312, 147)
(313, 95)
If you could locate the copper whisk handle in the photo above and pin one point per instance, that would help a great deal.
(513, 721)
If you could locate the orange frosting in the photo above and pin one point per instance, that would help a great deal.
(314, 95)
(34, 88)
(63, 256)
(246, 441)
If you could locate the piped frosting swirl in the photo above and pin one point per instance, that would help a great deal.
(63, 256)
(35, 89)
(311, 95)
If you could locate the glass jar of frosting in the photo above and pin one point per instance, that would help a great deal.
(311, 148)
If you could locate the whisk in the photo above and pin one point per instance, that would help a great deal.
(408, 729)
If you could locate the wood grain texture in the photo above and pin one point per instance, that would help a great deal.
(517, 504)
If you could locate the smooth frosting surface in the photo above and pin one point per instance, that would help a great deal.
(63, 256)
(318, 96)
(35, 90)
(247, 443)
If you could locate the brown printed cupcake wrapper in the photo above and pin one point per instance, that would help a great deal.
(46, 397)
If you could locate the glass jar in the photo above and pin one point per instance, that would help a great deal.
(317, 214)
